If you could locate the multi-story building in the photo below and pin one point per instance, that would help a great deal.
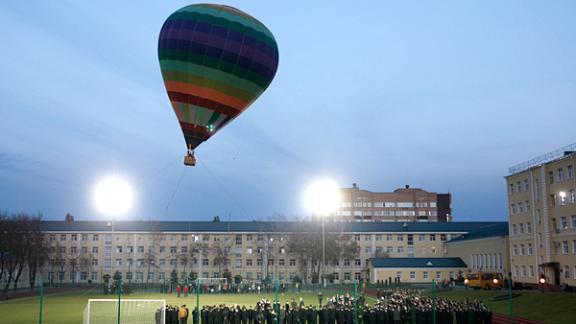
(403, 205)
(82, 251)
(542, 209)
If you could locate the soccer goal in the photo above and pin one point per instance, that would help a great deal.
(132, 311)
(213, 284)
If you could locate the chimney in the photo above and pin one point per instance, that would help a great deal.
(69, 218)
(407, 186)
(354, 185)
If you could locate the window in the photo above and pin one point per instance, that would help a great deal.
(62, 237)
(94, 250)
(511, 188)
(514, 229)
(162, 249)
(400, 237)
(560, 174)
(357, 237)
(412, 275)
(513, 209)
(438, 275)
(400, 249)
(292, 262)
(368, 249)
(94, 262)
(566, 272)
(347, 262)
(529, 248)
(526, 186)
(528, 227)
(563, 223)
(141, 249)
(570, 172)
(550, 177)
(564, 247)
(388, 237)
(521, 228)
(389, 250)
(425, 274)
(95, 237)
(515, 250)
(357, 262)
(173, 249)
(432, 237)
(522, 249)
(527, 205)
(379, 237)
(421, 237)
(572, 196)
(119, 249)
(346, 275)
(520, 207)
(552, 200)
(367, 237)
(574, 247)
(74, 237)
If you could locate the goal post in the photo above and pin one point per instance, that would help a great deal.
(212, 284)
(140, 311)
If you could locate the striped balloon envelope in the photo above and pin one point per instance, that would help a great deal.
(215, 61)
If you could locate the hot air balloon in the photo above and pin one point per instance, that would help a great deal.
(216, 61)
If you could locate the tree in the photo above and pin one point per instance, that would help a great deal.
(21, 245)
(174, 277)
(306, 244)
(149, 260)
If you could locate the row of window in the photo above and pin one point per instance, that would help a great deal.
(563, 247)
(521, 207)
(487, 261)
(563, 198)
(425, 275)
(172, 237)
(521, 228)
(400, 237)
(564, 225)
(388, 204)
(558, 175)
(525, 249)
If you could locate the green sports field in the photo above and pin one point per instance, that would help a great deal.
(69, 307)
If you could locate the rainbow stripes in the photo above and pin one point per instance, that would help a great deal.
(215, 61)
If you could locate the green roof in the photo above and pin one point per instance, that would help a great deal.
(265, 227)
(495, 230)
(417, 263)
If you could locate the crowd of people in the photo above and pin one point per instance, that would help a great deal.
(398, 306)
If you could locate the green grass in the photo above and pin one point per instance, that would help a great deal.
(69, 307)
(548, 307)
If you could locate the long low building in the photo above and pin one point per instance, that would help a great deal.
(147, 251)
(415, 270)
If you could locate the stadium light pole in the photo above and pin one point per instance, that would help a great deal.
(323, 198)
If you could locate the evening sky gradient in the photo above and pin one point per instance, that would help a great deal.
(441, 95)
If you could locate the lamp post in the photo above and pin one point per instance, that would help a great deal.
(322, 198)
(542, 282)
(320, 297)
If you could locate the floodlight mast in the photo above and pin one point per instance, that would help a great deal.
(323, 198)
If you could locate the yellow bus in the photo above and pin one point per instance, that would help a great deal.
(484, 280)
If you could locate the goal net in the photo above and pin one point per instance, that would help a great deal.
(132, 311)
(213, 284)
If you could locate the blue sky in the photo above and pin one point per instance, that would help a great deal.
(443, 95)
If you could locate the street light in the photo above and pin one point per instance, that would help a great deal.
(323, 198)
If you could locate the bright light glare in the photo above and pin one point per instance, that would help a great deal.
(323, 197)
(113, 196)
